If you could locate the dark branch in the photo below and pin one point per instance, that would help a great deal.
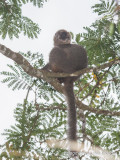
(26, 66)
(19, 59)
(48, 76)
(84, 107)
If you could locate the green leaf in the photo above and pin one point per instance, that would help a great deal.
(77, 38)
(112, 29)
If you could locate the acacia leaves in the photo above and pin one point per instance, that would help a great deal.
(12, 22)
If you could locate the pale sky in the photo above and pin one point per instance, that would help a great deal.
(71, 15)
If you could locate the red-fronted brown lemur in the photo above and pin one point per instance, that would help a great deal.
(67, 58)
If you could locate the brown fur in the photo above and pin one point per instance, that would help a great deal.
(67, 58)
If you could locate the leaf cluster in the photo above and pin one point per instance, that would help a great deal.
(12, 22)
(100, 46)
(34, 124)
(105, 8)
(102, 38)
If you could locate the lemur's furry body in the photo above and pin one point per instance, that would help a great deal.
(67, 58)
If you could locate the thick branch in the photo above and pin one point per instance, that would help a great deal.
(26, 66)
(48, 76)
(19, 59)
(84, 107)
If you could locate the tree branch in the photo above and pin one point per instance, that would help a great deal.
(48, 76)
(20, 60)
(26, 66)
(84, 107)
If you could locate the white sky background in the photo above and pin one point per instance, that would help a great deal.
(71, 15)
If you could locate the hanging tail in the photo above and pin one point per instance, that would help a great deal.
(71, 111)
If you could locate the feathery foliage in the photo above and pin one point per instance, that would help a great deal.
(44, 115)
(34, 124)
(12, 22)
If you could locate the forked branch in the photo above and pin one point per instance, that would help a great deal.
(50, 77)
